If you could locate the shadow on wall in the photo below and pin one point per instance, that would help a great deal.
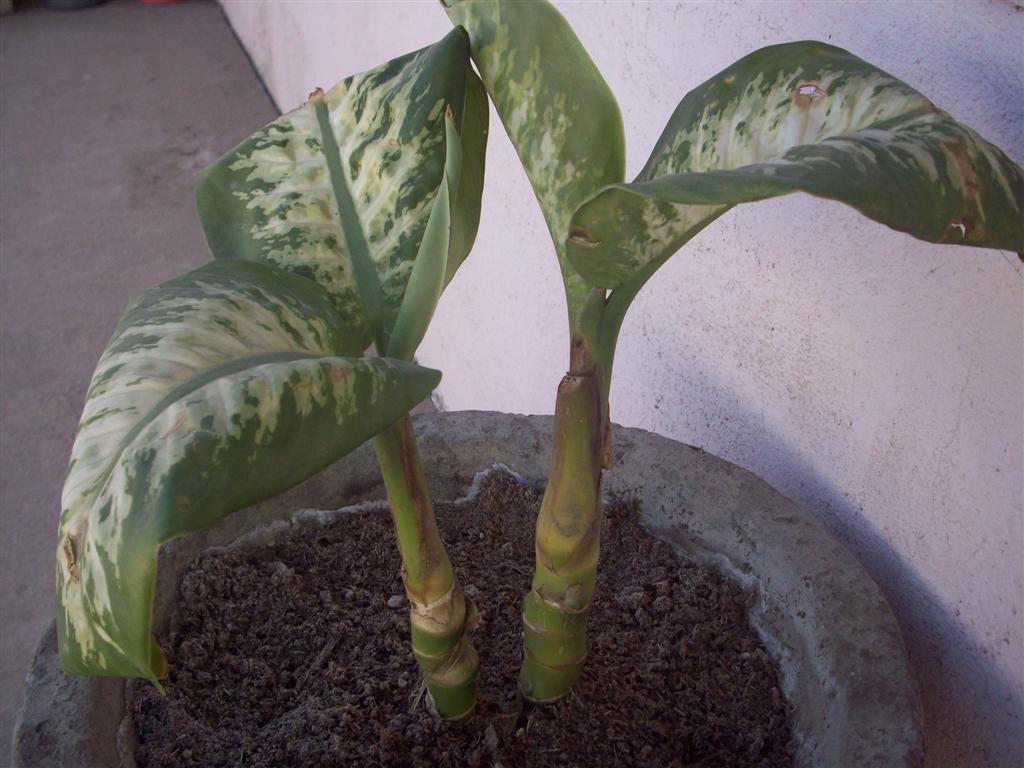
(973, 714)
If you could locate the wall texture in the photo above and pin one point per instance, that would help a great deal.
(875, 379)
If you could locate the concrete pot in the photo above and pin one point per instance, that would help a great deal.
(818, 612)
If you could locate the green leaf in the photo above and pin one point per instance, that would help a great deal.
(341, 189)
(557, 109)
(218, 389)
(451, 228)
(805, 117)
(466, 213)
(427, 280)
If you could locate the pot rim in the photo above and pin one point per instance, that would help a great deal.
(824, 621)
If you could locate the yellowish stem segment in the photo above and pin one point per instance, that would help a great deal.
(440, 614)
(568, 541)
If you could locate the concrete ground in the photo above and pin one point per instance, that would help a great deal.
(107, 116)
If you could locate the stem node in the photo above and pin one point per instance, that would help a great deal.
(440, 614)
(555, 609)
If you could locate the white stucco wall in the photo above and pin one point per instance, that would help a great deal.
(875, 379)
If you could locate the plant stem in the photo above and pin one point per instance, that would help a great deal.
(440, 614)
(568, 537)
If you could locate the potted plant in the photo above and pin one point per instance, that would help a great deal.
(342, 222)
(804, 116)
(336, 225)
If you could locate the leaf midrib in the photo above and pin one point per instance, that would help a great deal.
(365, 271)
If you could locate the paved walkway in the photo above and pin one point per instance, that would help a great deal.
(106, 117)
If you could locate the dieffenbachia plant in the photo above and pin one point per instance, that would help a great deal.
(372, 189)
(336, 225)
(803, 116)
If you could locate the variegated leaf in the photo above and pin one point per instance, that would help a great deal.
(218, 389)
(555, 105)
(341, 189)
(427, 280)
(470, 187)
(451, 228)
(803, 117)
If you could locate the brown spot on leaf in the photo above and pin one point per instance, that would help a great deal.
(730, 79)
(967, 170)
(71, 557)
(580, 237)
(807, 94)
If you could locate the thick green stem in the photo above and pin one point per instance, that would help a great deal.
(440, 614)
(568, 538)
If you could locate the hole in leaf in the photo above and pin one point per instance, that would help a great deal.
(807, 94)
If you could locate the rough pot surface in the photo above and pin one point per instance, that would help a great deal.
(836, 641)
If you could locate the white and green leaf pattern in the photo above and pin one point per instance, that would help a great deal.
(341, 190)
(451, 227)
(427, 280)
(806, 117)
(218, 389)
(555, 105)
